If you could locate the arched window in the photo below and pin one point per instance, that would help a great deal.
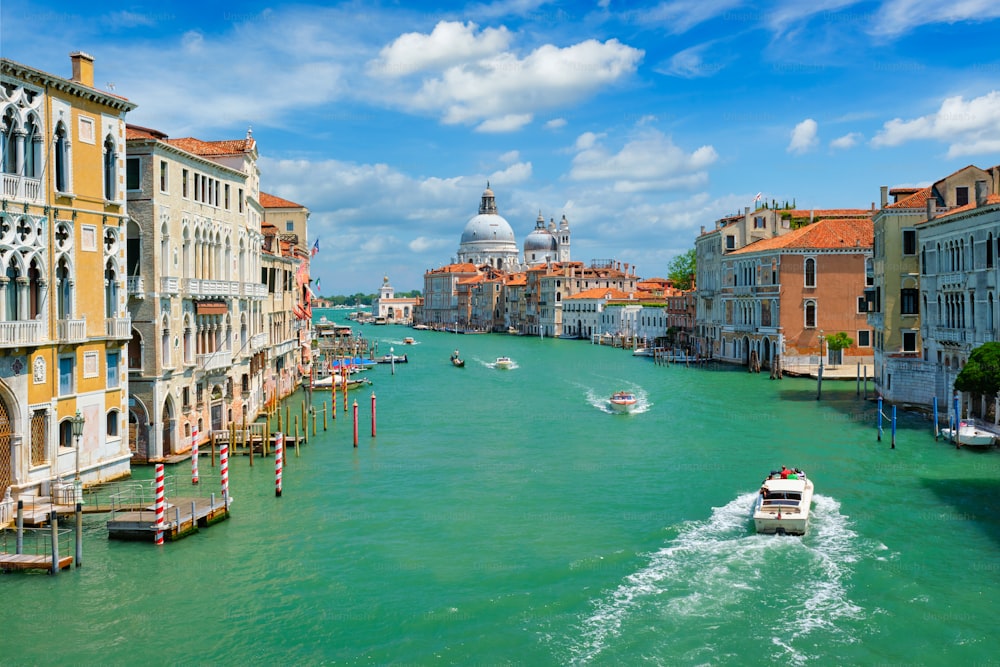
(64, 290)
(32, 149)
(810, 314)
(12, 311)
(110, 290)
(989, 251)
(8, 143)
(62, 159)
(112, 423)
(810, 272)
(110, 169)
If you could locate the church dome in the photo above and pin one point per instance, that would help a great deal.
(487, 227)
(540, 239)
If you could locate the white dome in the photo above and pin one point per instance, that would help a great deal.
(489, 227)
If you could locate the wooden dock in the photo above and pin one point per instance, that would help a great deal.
(182, 517)
(11, 562)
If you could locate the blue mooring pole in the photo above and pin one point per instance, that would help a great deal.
(879, 417)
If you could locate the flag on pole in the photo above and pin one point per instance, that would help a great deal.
(317, 285)
(756, 199)
(315, 248)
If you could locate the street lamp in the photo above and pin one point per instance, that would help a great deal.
(76, 426)
(821, 338)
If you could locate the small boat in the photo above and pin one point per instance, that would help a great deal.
(642, 352)
(408, 341)
(782, 505)
(327, 382)
(622, 401)
(421, 327)
(392, 359)
(970, 436)
(503, 363)
(456, 360)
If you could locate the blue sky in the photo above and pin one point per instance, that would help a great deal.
(639, 121)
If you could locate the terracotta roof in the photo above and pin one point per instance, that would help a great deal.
(517, 280)
(213, 148)
(139, 132)
(599, 293)
(826, 213)
(465, 267)
(827, 234)
(271, 201)
(990, 199)
(917, 199)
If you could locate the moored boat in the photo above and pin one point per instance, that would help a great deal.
(503, 363)
(622, 401)
(392, 359)
(456, 360)
(782, 505)
(352, 382)
(969, 435)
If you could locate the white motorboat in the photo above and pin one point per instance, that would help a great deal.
(969, 435)
(503, 363)
(392, 359)
(622, 401)
(783, 503)
(327, 382)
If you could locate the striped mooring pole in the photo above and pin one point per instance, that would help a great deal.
(159, 503)
(279, 453)
(194, 455)
(224, 472)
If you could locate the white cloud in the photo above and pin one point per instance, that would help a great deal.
(649, 162)
(515, 173)
(555, 124)
(970, 127)
(508, 123)
(450, 43)
(897, 17)
(505, 89)
(689, 64)
(804, 137)
(679, 16)
(849, 140)
(510, 156)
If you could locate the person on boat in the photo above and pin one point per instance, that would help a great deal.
(785, 472)
(763, 492)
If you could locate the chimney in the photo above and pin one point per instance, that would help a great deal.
(885, 195)
(746, 210)
(83, 68)
(931, 207)
(981, 192)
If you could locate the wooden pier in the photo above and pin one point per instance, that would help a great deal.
(11, 562)
(181, 517)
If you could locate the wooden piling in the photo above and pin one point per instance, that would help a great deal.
(324, 415)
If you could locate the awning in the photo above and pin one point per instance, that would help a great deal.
(211, 307)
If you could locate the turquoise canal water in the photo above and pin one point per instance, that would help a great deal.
(505, 517)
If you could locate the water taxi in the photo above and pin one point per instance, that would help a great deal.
(503, 363)
(969, 435)
(622, 401)
(782, 505)
(408, 341)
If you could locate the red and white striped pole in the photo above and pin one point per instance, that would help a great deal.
(224, 471)
(194, 455)
(159, 503)
(279, 453)
(355, 424)
(373, 414)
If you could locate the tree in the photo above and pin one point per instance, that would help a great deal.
(681, 270)
(981, 374)
(839, 341)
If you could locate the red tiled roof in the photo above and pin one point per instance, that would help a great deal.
(917, 199)
(213, 148)
(990, 199)
(826, 234)
(465, 267)
(139, 132)
(272, 201)
(600, 293)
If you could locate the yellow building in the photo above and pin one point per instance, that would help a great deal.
(64, 325)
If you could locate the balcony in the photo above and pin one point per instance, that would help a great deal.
(118, 328)
(22, 333)
(170, 286)
(136, 287)
(258, 342)
(71, 331)
(212, 288)
(22, 188)
(945, 335)
(214, 361)
(955, 279)
(253, 290)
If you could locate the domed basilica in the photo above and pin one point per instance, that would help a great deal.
(489, 239)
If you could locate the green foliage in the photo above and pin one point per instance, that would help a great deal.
(681, 269)
(839, 341)
(981, 374)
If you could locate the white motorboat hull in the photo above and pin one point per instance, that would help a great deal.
(970, 436)
(779, 516)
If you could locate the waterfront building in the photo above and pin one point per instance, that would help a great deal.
(959, 258)
(291, 219)
(488, 238)
(287, 315)
(514, 302)
(730, 234)
(64, 325)
(486, 302)
(195, 291)
(441, 290)
(681, 312)
(583, 312)
(393, 309)
(786, 294)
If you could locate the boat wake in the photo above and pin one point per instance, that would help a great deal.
(717, 573)
(600, 401)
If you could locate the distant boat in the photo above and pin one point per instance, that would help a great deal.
(456, 360)
(622, 401)
(421, 327)
(970, 436)
(327, 382)
(408, 341)
(503, 363)
(392, 359)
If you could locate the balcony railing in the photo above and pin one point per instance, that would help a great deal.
(136, 287)
(21, 333)
(71, 331)
(943, 334)
(217, 360)
(170, 286)
(254, 290)
(258, 342)
(209, 288)
(21, 187)
(119, 328)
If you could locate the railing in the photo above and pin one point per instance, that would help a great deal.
(136, 286)
(119, 328)
(215, 360)
(71, 331)
(950, 279)
(196, 287)
(255, 290)
(22, 332)
(949, 335)
(258, 342)
(22, 187)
